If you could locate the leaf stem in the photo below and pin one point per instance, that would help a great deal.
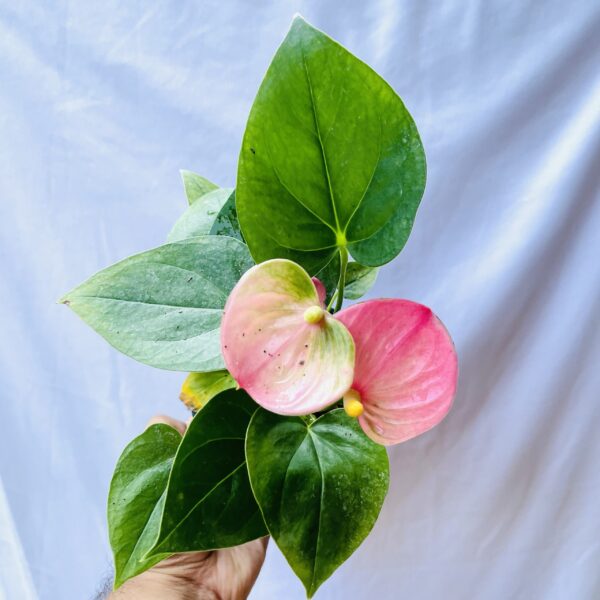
(342, 280)
(308, 419)
(330, 304)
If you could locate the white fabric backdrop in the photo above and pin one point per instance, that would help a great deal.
(102, 102)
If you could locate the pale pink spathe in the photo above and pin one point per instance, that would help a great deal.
(287, 365)
(406, 368)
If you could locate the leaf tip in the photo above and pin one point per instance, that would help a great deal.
(311, 589)
(184, 174)
(117, 583)
(299, 22)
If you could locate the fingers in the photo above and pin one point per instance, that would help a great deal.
(174, 423)
(265, 541)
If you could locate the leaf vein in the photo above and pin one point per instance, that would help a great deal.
(320, 511)
(319, 137)
(228, 476)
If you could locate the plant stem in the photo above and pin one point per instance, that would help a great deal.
(333, 299)
(308, 419)
(342, 280)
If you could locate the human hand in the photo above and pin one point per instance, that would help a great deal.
(226, 574)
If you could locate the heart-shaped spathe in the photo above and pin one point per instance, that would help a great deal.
(406, 368)
(280, 345)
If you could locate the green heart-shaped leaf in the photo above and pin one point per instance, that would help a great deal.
(209, 503)
(201, 216)
(196, 186)
(163, 307)
(136, 498)
(359, 280)
(320, 488)
(331, 158)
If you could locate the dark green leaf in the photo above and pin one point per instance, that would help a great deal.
(201, 216)
(330, 157)
(209, 503)
(226, 222)
(320, 488)
(136, 498)
(329, 276)
(196, 186)
(359, 280)
(163, 307)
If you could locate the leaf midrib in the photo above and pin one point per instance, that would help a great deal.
(314, 571)
(143, 302)
(197, 504)
(287, 189)
(318, 130)
(128, 563)
(338, 229)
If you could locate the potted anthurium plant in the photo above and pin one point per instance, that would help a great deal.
(294, 397)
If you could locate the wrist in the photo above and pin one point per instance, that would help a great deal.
(162, 586)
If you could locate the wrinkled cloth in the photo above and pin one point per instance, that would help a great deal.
(102, 102)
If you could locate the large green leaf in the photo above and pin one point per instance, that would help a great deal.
(163, 307)
(136, 498)
(196, 186)
(201, 216)
(331, 158)
(209, 502)
(359, 280)
(320, 487)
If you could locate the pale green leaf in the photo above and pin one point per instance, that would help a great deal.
(195, 185)
(359, 280)
(201, 216)
(227, 222)
(163, 307)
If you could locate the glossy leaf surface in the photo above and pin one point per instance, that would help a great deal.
(199, 388)
(201, 216)
(288, 365)
(406, 368)
(320, 488)
(209, 503)
(163, 307)
(330, 157)
(196, 186)
(136, 498)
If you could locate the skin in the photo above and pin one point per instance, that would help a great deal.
(227, 574)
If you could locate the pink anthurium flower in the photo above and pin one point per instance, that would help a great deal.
(281, 345)
(406, 369)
